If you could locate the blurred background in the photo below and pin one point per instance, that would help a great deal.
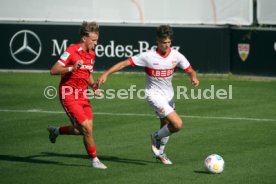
(216, 36)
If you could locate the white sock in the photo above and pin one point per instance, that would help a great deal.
(164, 141)
(163, 132)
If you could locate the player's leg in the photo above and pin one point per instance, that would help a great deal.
(89, 143)
(81, 115)
(164, 140)
(170, 123)
(157, 103)
(175, 122)
(166, 122)
(174, 125)
(86, 127)
(54, 132)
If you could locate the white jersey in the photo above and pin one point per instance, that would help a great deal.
(160, 69)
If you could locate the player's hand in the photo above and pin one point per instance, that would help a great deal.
(97, 91)
(78, 64)
(195, 82)
(102, 79)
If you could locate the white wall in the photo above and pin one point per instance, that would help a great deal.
(237, 12)
(266, 11)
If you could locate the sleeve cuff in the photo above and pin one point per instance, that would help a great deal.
(188, 68)
(60, 62)
(131, 61)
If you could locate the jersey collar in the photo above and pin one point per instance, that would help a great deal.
(80, 49)
(164, 56)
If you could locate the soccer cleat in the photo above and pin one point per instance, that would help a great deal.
(52, 135)
(155, 144)
(96, 163)
(164, 159)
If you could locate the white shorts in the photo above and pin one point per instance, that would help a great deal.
(162, 105)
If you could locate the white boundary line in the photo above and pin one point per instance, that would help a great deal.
(233, 76)
(132, 114)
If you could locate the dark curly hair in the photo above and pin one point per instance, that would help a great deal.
(164, 31)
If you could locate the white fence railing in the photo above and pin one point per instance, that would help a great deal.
(214, 12)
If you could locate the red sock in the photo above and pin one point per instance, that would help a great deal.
(64, 130)
(91, 150)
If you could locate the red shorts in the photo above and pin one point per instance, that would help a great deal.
(78, 111)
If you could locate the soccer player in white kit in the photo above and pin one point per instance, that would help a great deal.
(160, 65)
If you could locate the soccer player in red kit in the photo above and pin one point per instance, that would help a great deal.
(75, 66)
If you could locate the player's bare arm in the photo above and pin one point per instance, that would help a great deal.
(59, 69)
(94, 86)
(117, 67)
(193, 76)
(90, 80)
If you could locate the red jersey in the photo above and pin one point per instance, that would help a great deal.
(77, 79)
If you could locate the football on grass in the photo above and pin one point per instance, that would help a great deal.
(214, 163)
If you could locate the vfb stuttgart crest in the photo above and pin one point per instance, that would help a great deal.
(243, 49)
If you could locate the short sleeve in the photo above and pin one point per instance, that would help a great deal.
(183, 63)
(139, 59)
(65, 57)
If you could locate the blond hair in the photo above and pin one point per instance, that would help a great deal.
(88, 27)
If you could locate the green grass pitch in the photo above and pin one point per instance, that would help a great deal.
(242, 130)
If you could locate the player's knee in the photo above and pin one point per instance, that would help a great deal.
(87, 128)
(175, 122)
(76, 131)
(87, 131)
(178, 125)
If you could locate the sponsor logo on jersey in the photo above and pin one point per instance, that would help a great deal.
(87, 67)
(243, 49)
(160, 73)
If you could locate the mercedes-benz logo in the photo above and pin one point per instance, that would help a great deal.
(25, 47)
